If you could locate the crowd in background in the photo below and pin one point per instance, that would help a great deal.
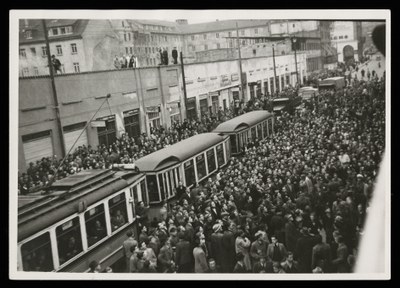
(294, 202)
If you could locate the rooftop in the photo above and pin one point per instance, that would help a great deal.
(243, 121)
(178, 152)
(220, 25)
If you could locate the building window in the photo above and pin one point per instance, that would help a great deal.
(33, 51)
(243, 42)
(107, 134)
(122, 23)
(242, 32)
(193, 48)
(129, 36)
(62, 30)
(131, 50)
(230, 44)
(340, 37)
(205, 47)
(154, 119)
(44, 51)
(345, 36)
(229, 34)
(125, 36)
(36, 71)
(218, 46)
(335, 37)
(256, 31)
(25, 71)
(76, 67)
(126, 50)
(74, 50)
(192, 37)
(55, 31)
(22, 53)
(59, 50)
(132, 123)
(217, 35)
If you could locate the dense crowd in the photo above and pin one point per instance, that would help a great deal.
(295, 202)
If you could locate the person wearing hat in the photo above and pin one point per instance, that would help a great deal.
(291, 233)
(228, 246)
(94, 267)
(242, 245)
(303, 252)
(184, 254)
(216, 244)
(258, 248)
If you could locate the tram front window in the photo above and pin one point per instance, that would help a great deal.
(189, 173)
(95, 224)
(69, 240)
(36, 254)
(118, 214)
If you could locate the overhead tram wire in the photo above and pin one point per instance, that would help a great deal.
(72, 147)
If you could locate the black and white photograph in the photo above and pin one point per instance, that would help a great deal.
(200, 144)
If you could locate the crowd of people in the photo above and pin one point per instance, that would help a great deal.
(295, 202)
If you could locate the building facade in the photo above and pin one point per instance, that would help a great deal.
(80, 45)
(347, 37)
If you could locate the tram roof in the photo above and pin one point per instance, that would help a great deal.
(243, 121)
(178, 152)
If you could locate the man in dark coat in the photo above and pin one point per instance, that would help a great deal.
(291, 233)
(303, 252)
(165, 56)
(321, 256)
(184, 255)
(217, 248)
(175, 55)
(239, 267)
(228, 246)
(180, 190)
(340, 263)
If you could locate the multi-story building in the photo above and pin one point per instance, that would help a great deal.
(80, 45)
(347, 37)
(214, 37)
(313, 37)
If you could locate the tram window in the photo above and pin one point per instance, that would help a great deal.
(201, 166)
(265, 129)
(189, 173)
(162, 186)
(117, 207)
(234, 143)
(36, 254)
(95, 224)
(270, 126)
(69, 240)
(135, 194)
(152, 188)
(143, 191)
(220, 155)
(259, 132)
(253, 133)
(211, 160)
(228, 150)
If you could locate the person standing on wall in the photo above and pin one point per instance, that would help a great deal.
(175, 55)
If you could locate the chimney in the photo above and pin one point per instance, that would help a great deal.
(182, 21)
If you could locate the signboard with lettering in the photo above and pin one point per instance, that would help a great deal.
(225, 81)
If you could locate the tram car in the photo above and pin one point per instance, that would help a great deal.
(189, 161)
(80, 218)
(252, 126)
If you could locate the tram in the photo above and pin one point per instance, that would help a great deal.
(251, 126)
(189, 161)
(80, 218)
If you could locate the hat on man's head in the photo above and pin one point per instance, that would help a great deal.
(217, 227)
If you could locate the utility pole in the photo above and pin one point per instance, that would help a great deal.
(294, 42)
(240, 61)
(184, 84)
(273, 59)
(53, 86)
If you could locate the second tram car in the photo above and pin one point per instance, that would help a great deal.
(189, 161)
(252, 126)
(81, 218)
